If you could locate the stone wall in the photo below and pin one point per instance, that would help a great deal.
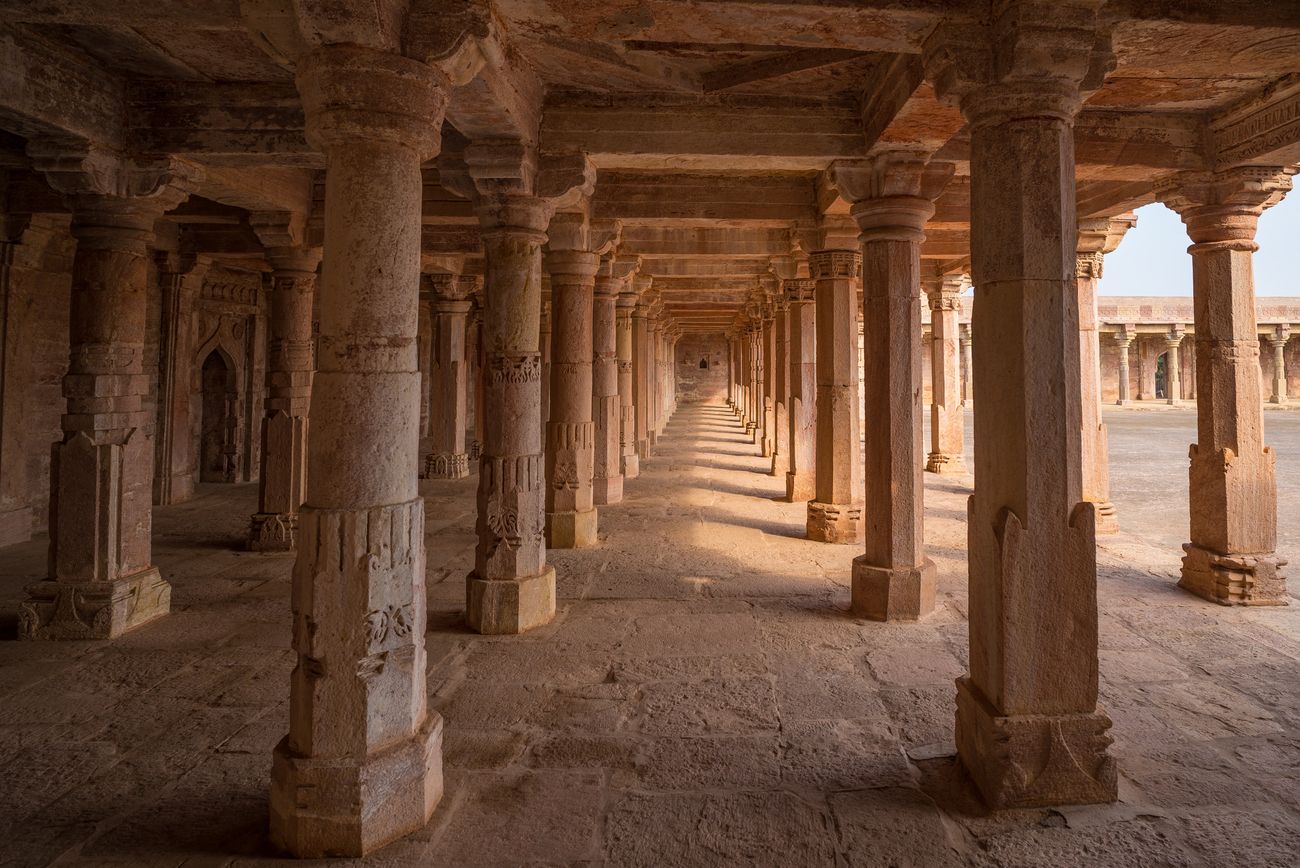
(702, 369)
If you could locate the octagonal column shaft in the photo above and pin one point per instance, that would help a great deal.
(1231, 558)
(102, 581)
(362, 762)
(835, 515)
(607, 475)
(801, 478)
(781, 378)
(570, 431)
(629, 462)
(282, 484)
(448, 456)
(893, 579)
(947, 425)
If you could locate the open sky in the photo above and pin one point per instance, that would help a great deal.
(1152, 259)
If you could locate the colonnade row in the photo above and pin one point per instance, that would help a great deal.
(1179, 353)
(361, 763)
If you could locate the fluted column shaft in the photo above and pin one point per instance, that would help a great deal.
(607, 476)
(835, 515)
(282, 484)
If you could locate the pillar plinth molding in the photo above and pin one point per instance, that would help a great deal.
(362, 763)
(1019, 81)
(102, 582)
(1231, 558)
(801, 478)
(835, 512)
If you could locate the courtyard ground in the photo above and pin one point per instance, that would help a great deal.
(702, 698)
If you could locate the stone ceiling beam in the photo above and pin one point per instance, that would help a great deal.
(1263, 129)
(774, 66)
(651, 242)
(652, 197)
(265, 189)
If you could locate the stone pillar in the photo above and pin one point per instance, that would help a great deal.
(801, 478)
(607, 477)
(1232, 556)
(754, 381)
(15, 483)
(179, 280)
(1124, 340)
(947, 425)
(641, 374)
(1096, 239)
(1029, 730)
(1277, 342)
(282, 483)
(544, 341)
(448, 456)
(362, 763)
(781, 378)
(768, 382)
(631, 464)
(102, 581)
(1174, 365)
(967, 367)
(570, 431)
(891, 197)
(835, 515)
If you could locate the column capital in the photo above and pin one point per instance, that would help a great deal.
(1279, 336)
(1124, 335)
(1223, 208)
(1034, 59)
(835, 264)
(451, 291)
(108, 191)
(515, 190)
(1174, 337)
(353, 95)
(891, 195)
(800, 290)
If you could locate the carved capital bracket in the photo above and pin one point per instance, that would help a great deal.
(1223, 208)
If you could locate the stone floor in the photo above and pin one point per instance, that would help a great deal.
(702, 699)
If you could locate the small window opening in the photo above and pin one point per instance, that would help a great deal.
(704, 364)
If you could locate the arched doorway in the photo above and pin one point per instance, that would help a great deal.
(219, 424)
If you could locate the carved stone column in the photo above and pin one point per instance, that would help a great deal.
(630, 462)
(801, 478)
(282, 484)
(362, 762)
(1123, 341)
(102, 581)
(967, 367)
(654, 370)
(15, 483)
(448, 456)
(1277, 342)
(768, 383)
(947, 423)
(781, 378)
(607, 477)
(477, 378)
(180, 278)
(1232, 557)
(835, 515)
(545, 344)
(641, 373)
(1096, 239)
(1173, 365)
(1029, 729)
(754, 380)
(891, 197)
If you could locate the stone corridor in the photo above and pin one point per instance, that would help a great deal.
(702, 698)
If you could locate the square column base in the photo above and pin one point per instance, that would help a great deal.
(631, 466)
(836, 522)
(944, 464)
(1107, 522)
(607, 490)
(272, 532)
(1033, 760)
(509, 606)
(1234, 580)
(800, 487)
(93, 610)
(780, 465)
(445, 465)
(323, 807)
(571, 530)
(883, 594)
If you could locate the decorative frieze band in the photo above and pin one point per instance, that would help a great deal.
(516, 369)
